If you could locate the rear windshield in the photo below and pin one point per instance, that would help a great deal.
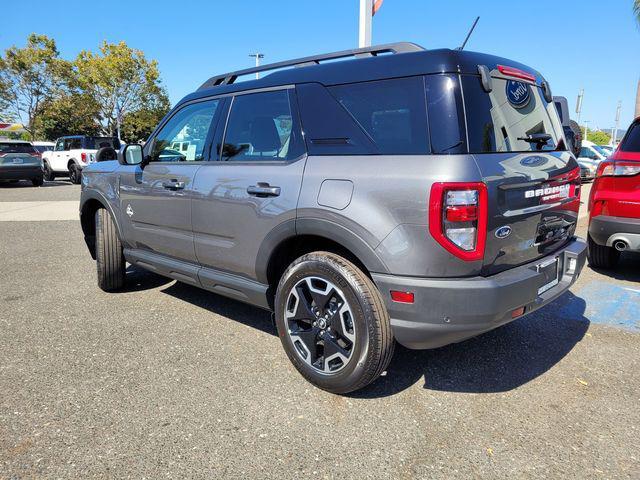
(16, 148)
(513, 117)
(96, 143)
(631, 142)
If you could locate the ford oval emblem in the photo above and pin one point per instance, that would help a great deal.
(533, 161)
(503, 232)
(518, 94)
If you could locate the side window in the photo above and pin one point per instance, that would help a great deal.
(183, 137)
(60, 145)
(586, 152)
(73, 144)
(261, 128)
(392, 112)
(446, 114)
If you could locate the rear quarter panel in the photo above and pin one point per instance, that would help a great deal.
(388, 208)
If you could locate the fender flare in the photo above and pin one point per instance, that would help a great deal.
(88, 195)
(320, 228)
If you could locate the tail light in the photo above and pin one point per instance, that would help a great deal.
(458, 218)
(83, 157)
(618, 168)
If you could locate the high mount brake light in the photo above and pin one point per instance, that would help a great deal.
(516, 73)
(618, 168)
(458, 218)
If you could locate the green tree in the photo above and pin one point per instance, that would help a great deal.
(121, 81)
(73, 113)
(138, 125)
(29, 77)
(599, 137)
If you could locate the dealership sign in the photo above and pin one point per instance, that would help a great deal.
(518, 94)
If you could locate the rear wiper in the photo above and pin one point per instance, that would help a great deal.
(538, 138)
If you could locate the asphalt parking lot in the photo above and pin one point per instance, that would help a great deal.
(165, 380)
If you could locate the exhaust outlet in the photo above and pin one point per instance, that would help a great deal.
(620, 245)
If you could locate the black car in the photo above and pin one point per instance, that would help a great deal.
(19, 160)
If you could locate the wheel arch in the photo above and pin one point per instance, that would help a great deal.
(90, 203)
(293, 239)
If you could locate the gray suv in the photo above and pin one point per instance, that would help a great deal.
(398, 195)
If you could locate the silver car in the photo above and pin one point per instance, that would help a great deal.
(418, 197)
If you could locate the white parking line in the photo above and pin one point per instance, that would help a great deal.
(38, 211)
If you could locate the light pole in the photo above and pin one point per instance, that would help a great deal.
(586, 129)
(366, 15)
(579, 104)
(615, 132)
(257, 56)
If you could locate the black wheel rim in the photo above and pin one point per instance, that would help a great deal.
(320, 324)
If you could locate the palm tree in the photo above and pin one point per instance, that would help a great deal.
(636, 11)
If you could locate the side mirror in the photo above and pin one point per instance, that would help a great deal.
(130, 155)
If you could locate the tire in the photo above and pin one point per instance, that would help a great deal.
(37, 182)
(75, 174)
(359, 324)
(601, 256)
(49, 175)
(109, 258)
(577, 136)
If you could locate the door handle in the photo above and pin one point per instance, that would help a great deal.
(263, 189)
(173, 185)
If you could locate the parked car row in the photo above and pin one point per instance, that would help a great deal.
(39, 161)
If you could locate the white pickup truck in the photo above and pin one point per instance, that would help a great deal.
(72, 153)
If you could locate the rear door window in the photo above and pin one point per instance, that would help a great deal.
(505, 118)
(631, 142)
(261, 127)
(392, 112)
(96, 143)
(73, 144)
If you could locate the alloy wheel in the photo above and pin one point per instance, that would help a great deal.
(320, 324)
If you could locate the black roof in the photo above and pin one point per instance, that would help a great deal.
(410, 59)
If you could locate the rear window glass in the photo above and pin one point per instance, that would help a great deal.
(631, 142)
(392, 112)
(96, 143)
(504, 119)
(16, 148)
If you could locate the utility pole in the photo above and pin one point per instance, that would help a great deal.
(366, 15)
(257, 56)
(615, 132)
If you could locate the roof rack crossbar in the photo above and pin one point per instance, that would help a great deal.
(229, 78)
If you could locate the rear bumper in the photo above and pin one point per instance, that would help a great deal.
(27, 172)
(607, 230)
(451, 310)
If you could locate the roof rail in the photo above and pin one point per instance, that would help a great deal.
(229, 78)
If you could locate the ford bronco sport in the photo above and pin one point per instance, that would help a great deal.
(400, 194)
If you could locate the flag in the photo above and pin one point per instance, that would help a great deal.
(376, 6)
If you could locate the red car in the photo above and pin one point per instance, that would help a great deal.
(614, 203)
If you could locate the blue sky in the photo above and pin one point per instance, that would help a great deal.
(576, 44)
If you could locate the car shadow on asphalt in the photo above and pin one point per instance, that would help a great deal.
(497, 361)
(233, 309)
(28, 184)
(627, 268)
